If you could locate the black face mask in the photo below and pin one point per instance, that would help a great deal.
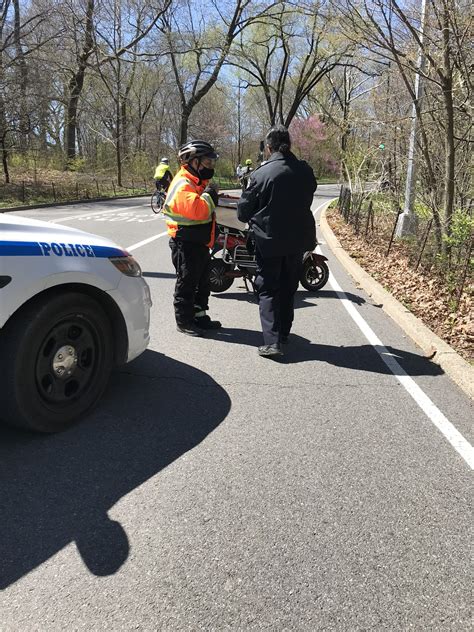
(205, 173)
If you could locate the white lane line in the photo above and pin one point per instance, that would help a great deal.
(93, 213)
(455, 438)
(145, 241)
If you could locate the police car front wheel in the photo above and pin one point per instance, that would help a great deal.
(56, 357)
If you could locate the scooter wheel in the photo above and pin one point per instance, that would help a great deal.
(217, 276)
(314, 275)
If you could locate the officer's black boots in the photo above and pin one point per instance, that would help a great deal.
(204, 322)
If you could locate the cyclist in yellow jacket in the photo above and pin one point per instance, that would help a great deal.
(190, 217)
(163, 174)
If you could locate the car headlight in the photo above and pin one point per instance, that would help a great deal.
(127, 265)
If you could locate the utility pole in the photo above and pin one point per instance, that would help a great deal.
(407, 221)
(239, 126)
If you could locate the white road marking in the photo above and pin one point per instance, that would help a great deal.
(91, 213)
(145, 241)
(455, 438)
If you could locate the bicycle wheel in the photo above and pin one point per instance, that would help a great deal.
(157, 201)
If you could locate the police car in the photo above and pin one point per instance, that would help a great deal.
(72, 305)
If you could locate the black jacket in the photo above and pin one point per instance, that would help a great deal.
(277, 205)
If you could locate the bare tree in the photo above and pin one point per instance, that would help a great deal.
(390, 31)
(14, 30)
(288, 56)
(199, 44)
(89, 53)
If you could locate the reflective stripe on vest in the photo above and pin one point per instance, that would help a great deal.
(181, 219)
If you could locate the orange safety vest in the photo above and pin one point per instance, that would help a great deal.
(187, 206)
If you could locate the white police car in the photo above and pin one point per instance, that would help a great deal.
(72, 305)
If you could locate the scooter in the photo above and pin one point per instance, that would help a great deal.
(233, 256)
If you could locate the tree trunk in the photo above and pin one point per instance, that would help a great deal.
(124, 127)
(4, 151)
(449, 142)
(76, 84)
(24, 123)
(183, 128)
(3, 131)
(118, 149)
(75, 89)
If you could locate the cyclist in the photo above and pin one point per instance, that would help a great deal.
(163, 175)
(245, 174)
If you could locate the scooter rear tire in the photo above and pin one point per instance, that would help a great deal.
(217, 276)
(315, 275)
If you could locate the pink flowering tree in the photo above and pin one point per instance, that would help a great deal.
(306, 133)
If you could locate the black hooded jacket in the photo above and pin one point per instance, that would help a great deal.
(277, 205)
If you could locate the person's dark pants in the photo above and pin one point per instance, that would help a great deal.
(163, 183)
(192, 264)
(277, 281)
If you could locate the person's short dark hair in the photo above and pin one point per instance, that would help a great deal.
(278, 139)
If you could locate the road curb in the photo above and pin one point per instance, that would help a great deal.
(460, 371)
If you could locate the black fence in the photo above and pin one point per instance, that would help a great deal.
(374, 217)
(27, 192)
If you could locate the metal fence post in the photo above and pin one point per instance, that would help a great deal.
(348, 205)
(369, 211)
(464, 275)
(393, 232)
(430, 223)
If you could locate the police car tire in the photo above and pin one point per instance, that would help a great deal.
(22, 403)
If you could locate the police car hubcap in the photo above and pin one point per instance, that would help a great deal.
(65, 361)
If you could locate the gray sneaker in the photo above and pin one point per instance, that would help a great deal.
(270, 351)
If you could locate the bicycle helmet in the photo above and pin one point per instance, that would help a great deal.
(165, 161)
(248, 162)
(196, 149)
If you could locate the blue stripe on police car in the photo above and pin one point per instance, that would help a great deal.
(46, 249)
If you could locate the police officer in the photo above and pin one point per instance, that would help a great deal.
(190, 217)
(277, 206)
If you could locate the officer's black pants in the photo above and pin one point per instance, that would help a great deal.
(192, 263)
(277, 281)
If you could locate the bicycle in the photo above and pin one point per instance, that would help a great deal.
(157, 201)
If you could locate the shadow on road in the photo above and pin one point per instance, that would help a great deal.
(354, 298)
(303, 298)
(160, 275)
(57, 489)
(359, 358)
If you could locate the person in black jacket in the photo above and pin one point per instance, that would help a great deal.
(277, 206)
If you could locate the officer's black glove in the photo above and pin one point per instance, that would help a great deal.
(213, 192)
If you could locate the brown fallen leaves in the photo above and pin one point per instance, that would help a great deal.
(422, 293)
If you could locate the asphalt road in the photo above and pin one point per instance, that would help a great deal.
(216, 490)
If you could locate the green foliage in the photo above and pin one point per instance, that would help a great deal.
(141, 164)
(461, 230)
(422, 210)
(78, 164)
